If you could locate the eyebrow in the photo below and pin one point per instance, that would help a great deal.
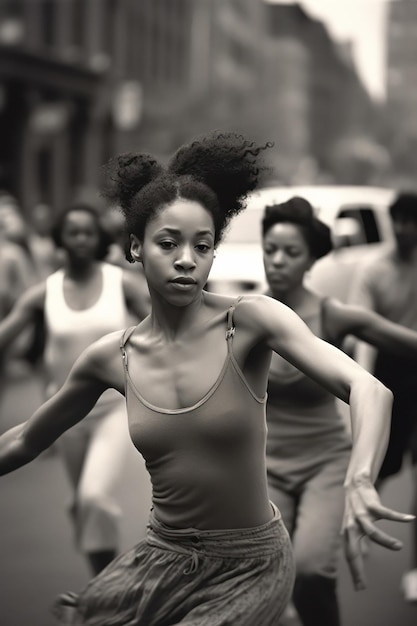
(177, 231)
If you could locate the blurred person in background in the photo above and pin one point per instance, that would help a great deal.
(114, 224)
(308, 445)
(388, 285)
(17, 273)
(80, 303)
(14, 238)
(216, 550)
(45, 254)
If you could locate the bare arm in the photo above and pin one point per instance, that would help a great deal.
(90, 376)
(136, 293)
(22, 314)
(362, 294)
(374, 329)
(370, 411)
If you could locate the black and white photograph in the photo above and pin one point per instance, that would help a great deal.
(208, 312)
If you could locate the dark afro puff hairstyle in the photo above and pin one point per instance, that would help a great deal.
(299, 211)
(404, 206)
(216, 170)
(105, 240)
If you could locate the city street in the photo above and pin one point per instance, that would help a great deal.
(38, 560)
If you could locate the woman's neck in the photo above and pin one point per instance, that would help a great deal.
(295, 299)
(81, 270)
(174, 321)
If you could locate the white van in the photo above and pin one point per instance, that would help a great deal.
(359, 220)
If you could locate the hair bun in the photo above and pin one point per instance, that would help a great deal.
(128, 174)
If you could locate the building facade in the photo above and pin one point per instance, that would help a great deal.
(402, 63)
(318, 94)
(55, 60)
(82, 80)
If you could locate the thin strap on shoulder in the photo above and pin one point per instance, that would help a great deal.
(123, 340)
(230, 327)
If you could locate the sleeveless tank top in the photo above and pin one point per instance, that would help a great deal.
(303, 421)
(70, 331)
(206, 461)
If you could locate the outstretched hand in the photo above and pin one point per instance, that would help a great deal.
(362, 509)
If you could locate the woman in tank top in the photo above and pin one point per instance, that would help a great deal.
(80, 303)
(194, 374)
(308, 446)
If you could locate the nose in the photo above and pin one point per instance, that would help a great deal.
(185, 259)
(278, 258)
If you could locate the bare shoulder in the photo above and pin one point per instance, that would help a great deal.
(258, 313)
(245, 301)
(105, 348)
(102, 360)
(259, 306)
(34, 297)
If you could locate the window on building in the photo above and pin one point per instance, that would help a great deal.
(78, 23)
(47, 9)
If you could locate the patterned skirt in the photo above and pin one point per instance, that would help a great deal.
(190, 577)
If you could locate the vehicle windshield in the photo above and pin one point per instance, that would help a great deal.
(245, 227)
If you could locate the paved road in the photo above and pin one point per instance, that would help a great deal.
(38, 561)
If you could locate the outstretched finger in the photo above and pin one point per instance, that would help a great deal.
(379, 536)
(383, 512)
(354, 558)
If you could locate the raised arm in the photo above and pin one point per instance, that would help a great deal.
(372, 328)
(370, 410)
(22, 314)
(98, 368)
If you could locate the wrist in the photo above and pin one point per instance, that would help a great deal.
(358, 479)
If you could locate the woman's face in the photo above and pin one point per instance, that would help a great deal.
(286, 257)
(177, 251)
(80, 235)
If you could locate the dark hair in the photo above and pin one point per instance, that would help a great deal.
(404, 206)
(104, 237)
(216, 170)
(300, 212)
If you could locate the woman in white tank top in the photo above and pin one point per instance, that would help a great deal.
(81, 302)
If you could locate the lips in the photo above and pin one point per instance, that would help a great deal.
(184, 280)
(276, 276)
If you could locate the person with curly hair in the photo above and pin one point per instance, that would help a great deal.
(76, 305)
(194, 374)
(308, 444)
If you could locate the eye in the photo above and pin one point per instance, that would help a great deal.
(203, 247)
(167, 245)
(293, 252)
(268, 250)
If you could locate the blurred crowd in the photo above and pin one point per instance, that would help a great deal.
(28, 254)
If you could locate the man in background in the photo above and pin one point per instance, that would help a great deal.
(388, 285)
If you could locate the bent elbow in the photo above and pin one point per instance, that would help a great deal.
(386, 391)
(383, 392)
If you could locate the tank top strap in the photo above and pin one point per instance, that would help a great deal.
(230, 327)
(123, 340)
